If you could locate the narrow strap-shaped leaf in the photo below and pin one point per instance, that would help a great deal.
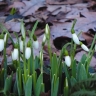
(38, 84)
(34, 28)
(7, 86)
(84, 93)
(74, 69)
(28, 88)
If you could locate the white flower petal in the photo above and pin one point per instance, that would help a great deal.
(68, 60)
(15, 54)
(1, 44)
(85, 47)
(27, 52)
(36, 44)
(75, 39)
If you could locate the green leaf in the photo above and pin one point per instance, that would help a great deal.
(2, 78)
(54, 65)
(34, 79)
(83, 59)
(73, 81)
(19, 81)
(66, 72)
(54, 85)
(84, 93)
(66, 87)
(15, 90)
(74, 69)
(38, 84)
(81, 72)
(42, 87)
(34, 28)
(37, 66)
(28, 87)
(7, 86)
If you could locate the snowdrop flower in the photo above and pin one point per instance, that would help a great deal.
(67, 58)
(15, 54)
(35, 42)
(75, 39)
(28, 51)
(84, 47)
(1, 45)
(1, 42)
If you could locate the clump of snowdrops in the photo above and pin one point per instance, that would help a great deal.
(78, 81)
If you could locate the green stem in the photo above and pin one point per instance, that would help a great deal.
(91, 51)
(25, 75)
(29, 66)
(5, 64)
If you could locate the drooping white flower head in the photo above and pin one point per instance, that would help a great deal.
(27, 52)
(35, 42)
(15, 54)
(84, 47)
(68, 60)
(75, 39)
(1, 45)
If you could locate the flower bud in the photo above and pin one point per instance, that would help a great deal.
(22, 29)
(47, 30)
(27, 52)
(84, 47)
(21, 44)
(5, 37)
(75, 39)
(44, 40)
(41, 55)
